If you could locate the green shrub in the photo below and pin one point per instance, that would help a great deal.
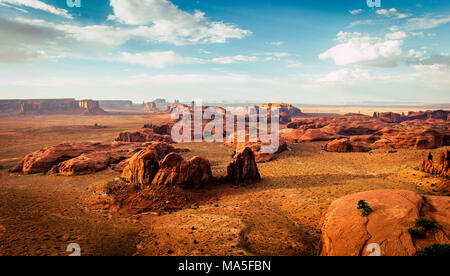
(426, 224)
(416, 233)
(434, 251)
(365, 208)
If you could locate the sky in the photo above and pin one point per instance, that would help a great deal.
(296, 51)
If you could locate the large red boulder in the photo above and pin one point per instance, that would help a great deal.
(144, 165)
(43, 160)
(174, 170)
(440, 167)
(345, 145)
(345, 232)
(243, 168)
(88, 163)
(143, 135)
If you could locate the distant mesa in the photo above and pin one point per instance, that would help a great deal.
(51, 107)
(287, 112)
(157, 106)
(116, 105)
(391, 117)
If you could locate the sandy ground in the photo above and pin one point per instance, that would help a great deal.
(42, 215)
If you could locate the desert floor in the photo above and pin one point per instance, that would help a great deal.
(42, 214)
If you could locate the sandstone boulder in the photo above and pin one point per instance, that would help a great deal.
(88, 163)
(345, 145)
(144, 165)
(243, 168)
(161, 129)
(440, 167)
(43, 160)
(192, 174)
(143, 135)
(345, 232)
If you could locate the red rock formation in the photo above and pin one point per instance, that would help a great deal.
(51, 106)
(75, 159)
(88, 163)
(441, 167)
(144, 165)
(192, 174)
(243, 168)
(424, 115)
(260, 157)
(43, 160)
(287, 109)
(143, 135)
(161, 129)
(345, 232)
(90, 107)
(391, 117)
(345, 145)
(372, 132)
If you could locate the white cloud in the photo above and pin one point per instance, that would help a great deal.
(397, 35)
(362, 22)
(37, 4)
(277, 43)
(418, 34)
(392, 13)
(115, 36)
(234, 59)
(345, 75)
(157, 59)
(11, 55)
(354, 12)
(276, 54)
(165, 22)
(416, 54)
(423, 23)
(12, 7)
(170, 58)
(359, 49)
(294, 64)
(436, 62)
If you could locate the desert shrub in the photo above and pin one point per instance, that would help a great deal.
(416, 233)
(424, 223)
(365, 208)
(434, 251)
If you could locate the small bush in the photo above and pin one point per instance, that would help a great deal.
(435, 250)
(365, 208)
(425, 223)
(416, 233)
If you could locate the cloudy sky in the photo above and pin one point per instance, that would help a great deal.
(329, 52)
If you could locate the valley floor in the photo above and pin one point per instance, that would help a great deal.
(43, 214)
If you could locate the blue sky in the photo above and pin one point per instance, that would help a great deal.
(322, 52)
